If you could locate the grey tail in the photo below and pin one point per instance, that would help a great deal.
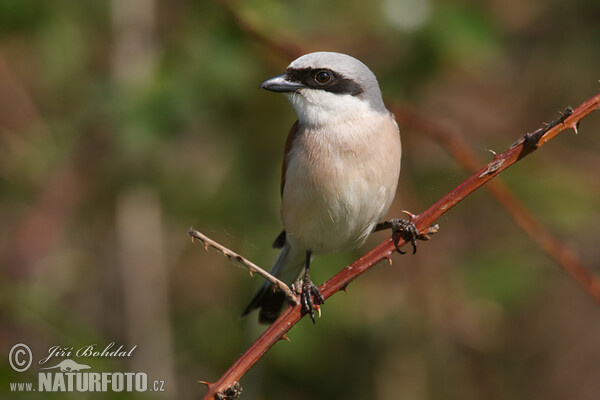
(288, 266)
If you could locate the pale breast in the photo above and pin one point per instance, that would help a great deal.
(339, 184)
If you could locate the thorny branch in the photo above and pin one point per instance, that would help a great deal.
(227, 387)
(524, 218)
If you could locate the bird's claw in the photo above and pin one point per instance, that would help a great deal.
(310, 299)
(408, 229)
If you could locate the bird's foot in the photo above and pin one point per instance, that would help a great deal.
(310, 297)
(406, 228)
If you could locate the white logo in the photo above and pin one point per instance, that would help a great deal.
(69, 366)
(71, 376)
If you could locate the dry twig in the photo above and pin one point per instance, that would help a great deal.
(240, 261)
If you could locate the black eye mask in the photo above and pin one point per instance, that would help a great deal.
(337, 83)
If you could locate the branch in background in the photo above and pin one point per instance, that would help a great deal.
(240, 261)
(456, 145)
(227, 387)
(285, 48)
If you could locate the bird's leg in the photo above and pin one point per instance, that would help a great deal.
(404, 226)
(308, 291)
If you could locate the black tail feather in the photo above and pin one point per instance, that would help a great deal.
(270, 303)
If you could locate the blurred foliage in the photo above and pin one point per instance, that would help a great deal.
(103, 99)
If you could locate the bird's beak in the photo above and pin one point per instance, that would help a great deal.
(280, 83)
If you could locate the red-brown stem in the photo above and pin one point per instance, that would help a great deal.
(291, 314)
(454, 143)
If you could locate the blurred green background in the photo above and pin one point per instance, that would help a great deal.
(122, 123)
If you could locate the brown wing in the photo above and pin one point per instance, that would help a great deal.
(288, 147)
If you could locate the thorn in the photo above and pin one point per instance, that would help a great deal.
(251, 273)
(411, 215)
(205, 383)
(344, 289)
(493, 152)
(205, 246)
(389, 258)
(287, 339)
(574, 127)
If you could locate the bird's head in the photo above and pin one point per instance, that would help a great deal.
(325, 87)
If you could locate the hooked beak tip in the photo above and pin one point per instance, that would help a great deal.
(279, 83)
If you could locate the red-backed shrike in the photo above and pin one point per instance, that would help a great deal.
(340, 169)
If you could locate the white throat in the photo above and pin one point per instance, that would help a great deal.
(318, 107)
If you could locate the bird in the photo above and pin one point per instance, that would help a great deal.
(340, 171)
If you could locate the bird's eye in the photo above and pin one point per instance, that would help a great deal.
(323, 77)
